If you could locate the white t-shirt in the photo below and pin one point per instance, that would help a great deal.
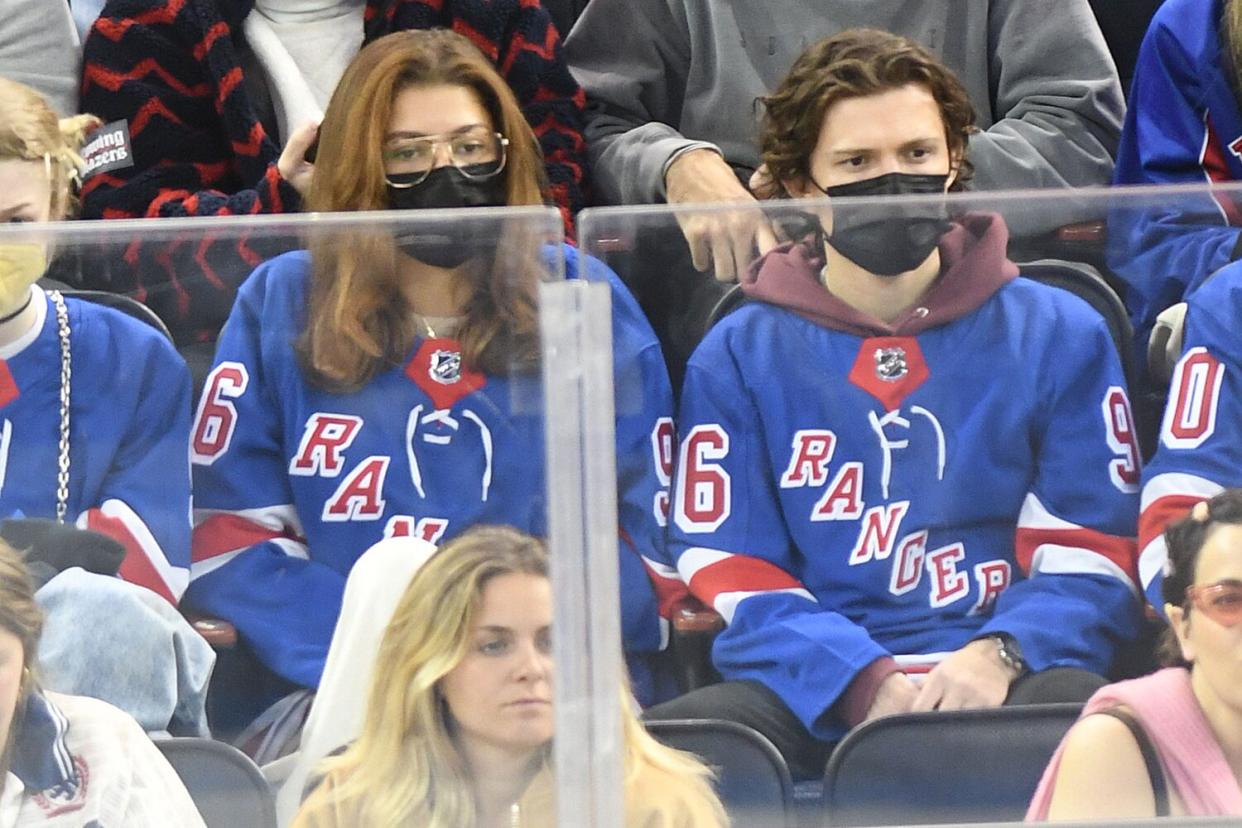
(119, 779)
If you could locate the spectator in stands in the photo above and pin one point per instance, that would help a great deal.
(1183, 127)
(1200, 449)
(94, 422)
(39, 47)
(903, 469)
(426, 340)
(672, 114)
(1168, 743)
(459, 724)
(212, 90)
(70, 760)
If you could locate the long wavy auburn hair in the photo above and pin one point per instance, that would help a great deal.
(405, 768)
(358, 321)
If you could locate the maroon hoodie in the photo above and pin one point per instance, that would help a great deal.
(973, 267)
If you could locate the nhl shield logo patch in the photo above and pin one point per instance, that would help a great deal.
(445, 367)
(889, 368)
(890, 364)
(437, 369)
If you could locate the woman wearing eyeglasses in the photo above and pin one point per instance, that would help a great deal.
(1169, 743)
(386, 382)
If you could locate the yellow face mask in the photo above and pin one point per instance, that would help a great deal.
(21, 265)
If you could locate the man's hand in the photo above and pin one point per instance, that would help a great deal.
(974, 676)
(292, 163)
(726, 241)
(896, 695)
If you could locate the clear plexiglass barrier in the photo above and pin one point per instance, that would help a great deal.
(300, 497)
(432, 518)
(915, 435)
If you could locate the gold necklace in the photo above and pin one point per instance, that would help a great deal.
(431, 332)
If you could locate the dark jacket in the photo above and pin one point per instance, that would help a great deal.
(175, 70)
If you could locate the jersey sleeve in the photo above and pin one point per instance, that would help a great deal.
(645, 440)
(1166, 246)
(251, 565)
(1078, 598)
(732, 547)
(145, 499)
(1200, 453)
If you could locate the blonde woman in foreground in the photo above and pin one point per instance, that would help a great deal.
(459, 724)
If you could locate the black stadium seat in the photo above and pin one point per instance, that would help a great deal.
(751, 777)
(943, 767)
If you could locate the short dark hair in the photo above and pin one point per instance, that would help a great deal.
(853, 64)
(1184, 541)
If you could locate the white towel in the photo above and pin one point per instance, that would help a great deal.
(375, 586)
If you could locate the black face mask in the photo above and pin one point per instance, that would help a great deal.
(889, 239)
(445, 244)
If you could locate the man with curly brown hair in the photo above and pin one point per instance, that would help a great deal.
(907, 477)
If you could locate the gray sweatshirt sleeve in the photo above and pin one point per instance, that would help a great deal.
(39, 47)
(631, 57)
(1057, 102)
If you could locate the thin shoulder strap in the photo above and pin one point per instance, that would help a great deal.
(1155, 772)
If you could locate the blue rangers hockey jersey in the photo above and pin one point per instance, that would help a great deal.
(1182, 126)
(129, 473)
(847, 490)
(1200, 450)
(293, 483)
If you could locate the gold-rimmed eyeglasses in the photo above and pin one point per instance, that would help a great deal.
(476, 152)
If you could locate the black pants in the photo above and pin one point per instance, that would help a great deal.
(754, 705)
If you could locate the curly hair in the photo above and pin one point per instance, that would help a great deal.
(1184, 540)
(853, 64)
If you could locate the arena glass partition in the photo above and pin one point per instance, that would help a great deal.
(310, 443)
(872, 467)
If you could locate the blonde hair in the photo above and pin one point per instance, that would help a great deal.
(1231, 41)
(30, 131)
(21, 617)
(405, 768)
(358, 321)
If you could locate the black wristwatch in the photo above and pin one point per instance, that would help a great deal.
(1009, 652)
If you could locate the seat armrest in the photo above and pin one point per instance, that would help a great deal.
(220, 634)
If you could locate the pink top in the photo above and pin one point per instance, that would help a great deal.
(1166, 708)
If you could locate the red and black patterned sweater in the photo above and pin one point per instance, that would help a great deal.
(173, 69)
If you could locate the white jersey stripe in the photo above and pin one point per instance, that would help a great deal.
(1152, 559)
(726, 602)
(1035, 515)
(1178, 483)
(1055, 559)
(696, 558)
(278, 518)
(175, 578)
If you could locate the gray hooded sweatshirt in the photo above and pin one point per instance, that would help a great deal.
(663, 76)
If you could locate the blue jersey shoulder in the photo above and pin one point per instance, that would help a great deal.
(101, 327)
